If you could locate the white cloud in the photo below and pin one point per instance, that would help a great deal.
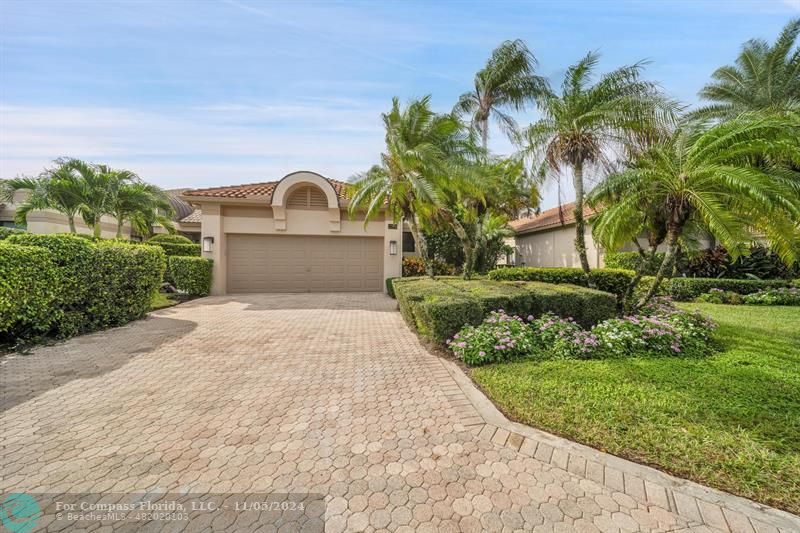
(794, 4)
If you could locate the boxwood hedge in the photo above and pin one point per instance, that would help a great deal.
(191, 274)
(98, 284)
(439, 307)
(30, 285)
(685, 289)
(611, 280)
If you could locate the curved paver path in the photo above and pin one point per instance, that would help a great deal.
(323, 393)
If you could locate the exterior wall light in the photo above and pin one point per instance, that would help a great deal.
(208, 244)
(392, 247)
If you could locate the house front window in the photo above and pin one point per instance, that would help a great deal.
(408, 242)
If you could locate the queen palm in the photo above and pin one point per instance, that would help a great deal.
(588, 125)
(714, 179)
(143, 204)
(99, 185)
(763, 77)
(507, 81)
(422, 149)
(59, 188)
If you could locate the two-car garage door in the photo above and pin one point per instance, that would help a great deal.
(287, 263)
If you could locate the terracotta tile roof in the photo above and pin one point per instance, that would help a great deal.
(549, 218)
(253, 190)
(194, 216)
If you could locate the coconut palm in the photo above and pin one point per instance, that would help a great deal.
(589, 125)
(764, 77)
(422, 149)
(143, 204)
(507, 81)
(59, 188)
(714, 179)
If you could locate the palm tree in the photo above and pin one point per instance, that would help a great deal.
(506, 81)
(764, 77)
(59, 188)
(99, 185)
(422, 149)
(143, 204)
(714, 179)
(588, 125)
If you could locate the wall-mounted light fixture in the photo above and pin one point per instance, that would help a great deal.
(208, 244)
(392, 247)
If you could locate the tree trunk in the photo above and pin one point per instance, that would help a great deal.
(628, 304)
(468, 246)
(420, 243)
(97, 228)
(580, 223)
(71, 222)
(665, 270)
(119, 226)
(485, 134)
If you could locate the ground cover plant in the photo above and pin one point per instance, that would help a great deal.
(731, 420)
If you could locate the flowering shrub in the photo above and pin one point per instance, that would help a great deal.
(563, 338)
(774, 297)
(499, 338)
(638, 335)
(719, 296)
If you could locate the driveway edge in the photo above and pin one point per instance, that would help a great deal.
(697, 503)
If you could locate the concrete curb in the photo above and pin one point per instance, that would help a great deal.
(695, 502)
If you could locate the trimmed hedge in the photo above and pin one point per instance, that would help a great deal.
(169, 239)
(29, 287)
(7, 232)
(390, 286)
(631, 261)
(686, 289)
(191, 274)
(439, 308)
(610, 280)
(100, 284)
(182, 250)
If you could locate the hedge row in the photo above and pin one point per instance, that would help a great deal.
(685, 289)
(6, 232)
(610, 280)
(438, 308)
(95, 284)
(172, 249)
(632, 261)
(191, 274)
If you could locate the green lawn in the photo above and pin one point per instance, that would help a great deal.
(731, 421)
(161, 301)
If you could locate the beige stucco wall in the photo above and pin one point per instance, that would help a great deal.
(555, 248)
(224, 217)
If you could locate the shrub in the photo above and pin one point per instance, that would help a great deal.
(718, 296)
(191, 274)
(632, 260)
(563, 338)
(413, 267)
(760, 263)
(499, 338)
(610, 280)
(123, 281)
(439, 308)
(181, 250)
(74, 257)
(29, 288)
(169, 239)
(687, 289)
(6, 232)
(390, 286)
(783, 296)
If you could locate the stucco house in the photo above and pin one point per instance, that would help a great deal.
(293, 235)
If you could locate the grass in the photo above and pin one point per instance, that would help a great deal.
(731, 421)
(161, 301)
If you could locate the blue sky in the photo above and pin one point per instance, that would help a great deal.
(236, 91)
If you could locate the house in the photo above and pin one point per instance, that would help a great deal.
(293, 235)
(186, 217)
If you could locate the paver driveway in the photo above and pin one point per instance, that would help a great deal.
(325, 393)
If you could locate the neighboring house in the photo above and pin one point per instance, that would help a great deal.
(548, 239)
(293, 235)
(186, 218)
(49, 221)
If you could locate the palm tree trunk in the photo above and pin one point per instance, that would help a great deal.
(420, 243)
(71, 222)
(665, 270)
(630, 291)
(97, 228)
(119, 226)
(485, 134)
(580, 223)
(468, 246)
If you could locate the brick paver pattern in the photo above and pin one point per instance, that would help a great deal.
(325, 393)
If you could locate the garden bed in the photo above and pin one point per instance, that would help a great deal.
(731, 421)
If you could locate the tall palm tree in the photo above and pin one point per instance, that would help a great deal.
(715, 179)
(100, 183)
(764, 77)
(59, 188)
(588, 125)
(142, 204)
(422, 149)
(507, 81)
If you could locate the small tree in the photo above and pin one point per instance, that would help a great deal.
(714, 179)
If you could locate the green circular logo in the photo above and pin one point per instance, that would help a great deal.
(20, 512)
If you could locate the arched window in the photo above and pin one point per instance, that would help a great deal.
(307, 197)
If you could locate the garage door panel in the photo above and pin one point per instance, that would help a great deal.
(283, 263)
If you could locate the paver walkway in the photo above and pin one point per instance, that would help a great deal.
(319, 393)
